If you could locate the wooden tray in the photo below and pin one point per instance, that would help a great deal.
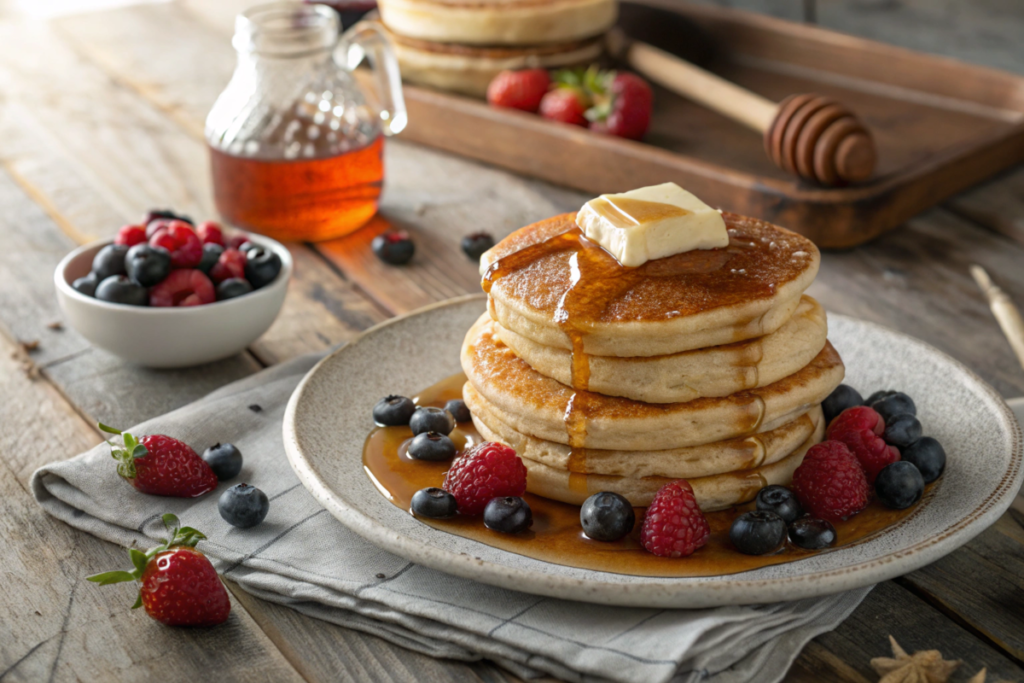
(940, 125)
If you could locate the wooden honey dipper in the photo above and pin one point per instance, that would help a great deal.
(811, 136)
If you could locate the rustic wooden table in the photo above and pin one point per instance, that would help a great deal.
(101, 118)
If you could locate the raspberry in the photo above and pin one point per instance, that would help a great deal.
(130, 235)
(565, 104)
(830, 483)
(230, 264)
(210, 233)
(855, 419)
(181, 241)
(485, 471)
(674, 525)
(183, 287)
(871, 451)
(236, 242)
(518, 89)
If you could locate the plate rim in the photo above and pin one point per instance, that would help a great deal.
(687, 592)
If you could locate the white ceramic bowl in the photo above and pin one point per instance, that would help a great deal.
(170, 337)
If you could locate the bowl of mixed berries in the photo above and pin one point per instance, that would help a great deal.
(168, 293)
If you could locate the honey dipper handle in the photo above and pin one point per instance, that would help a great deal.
(694, 83)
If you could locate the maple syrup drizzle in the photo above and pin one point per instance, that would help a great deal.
(556, 535)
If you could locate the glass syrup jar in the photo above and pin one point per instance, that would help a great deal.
(296, 143)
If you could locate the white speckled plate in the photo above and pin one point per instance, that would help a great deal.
(329, 416)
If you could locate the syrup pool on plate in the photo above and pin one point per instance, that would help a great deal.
(556, 535)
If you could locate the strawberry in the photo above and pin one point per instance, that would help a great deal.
(161, 466)
(518, 89)
(565, 104)
(179, 586)
(623, 108)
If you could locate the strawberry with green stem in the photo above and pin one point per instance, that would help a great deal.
(179, 586)
(160, 465)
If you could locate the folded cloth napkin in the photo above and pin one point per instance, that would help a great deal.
(302, 557)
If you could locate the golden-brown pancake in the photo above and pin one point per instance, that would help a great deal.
(499, 22)
(544, 408)
(742, 453)
(712, 372)
(550, 284)
(469, 69)
(714, 492)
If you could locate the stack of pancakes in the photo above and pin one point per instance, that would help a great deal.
(708, 366)
(461, 45)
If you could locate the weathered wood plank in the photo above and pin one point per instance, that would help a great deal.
(998, 204)
(866, 634)
(57, 626)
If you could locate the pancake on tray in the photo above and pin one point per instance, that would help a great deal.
(499, 22)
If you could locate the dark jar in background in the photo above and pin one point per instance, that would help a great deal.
(296, 144)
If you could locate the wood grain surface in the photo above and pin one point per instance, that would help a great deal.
(101, 118)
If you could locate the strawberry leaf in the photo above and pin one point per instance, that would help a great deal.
(138, 601)
(107, 578)
(108, 430)
(139, 559)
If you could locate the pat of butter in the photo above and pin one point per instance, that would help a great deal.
(651, 223)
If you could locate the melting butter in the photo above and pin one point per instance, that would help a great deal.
(651, 223)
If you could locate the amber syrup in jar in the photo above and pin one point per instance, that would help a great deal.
(301, 199)
(296, 144)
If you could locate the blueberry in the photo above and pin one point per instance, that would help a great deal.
(224, 459)
(878, 395)
(607, 516)
(157, 214)
(232, 288)
(393, 411)
(433, 503)
(395, 248)
(841, 398)
(459, 410)
(261, 266)
(147, 265)
(757, 533)
(86, 285)
(509, 515)
(243, 506)
(109, 261)
(476, 244)
(429, 419)
(902, 430)
(781, 501)
(899, 485)
(246, 246)
(118, 289)
(812, 534)
(928, 456)
(431, 446)
(896, 403)
(211, 254)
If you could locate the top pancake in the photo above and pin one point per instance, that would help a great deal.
(499, 22)
(550, 284)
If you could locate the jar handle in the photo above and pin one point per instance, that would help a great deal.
(367, 40)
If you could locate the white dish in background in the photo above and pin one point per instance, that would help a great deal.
(170, 337)
(328, 418)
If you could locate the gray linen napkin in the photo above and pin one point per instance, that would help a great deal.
(302, 557)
